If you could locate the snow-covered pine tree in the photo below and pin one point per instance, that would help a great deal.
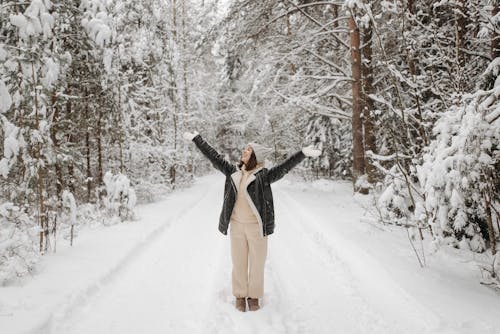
(460, 171)
(28, 70)
(433, 88)
(84, 89)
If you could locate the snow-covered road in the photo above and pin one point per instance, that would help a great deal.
(181, 282)
(327, 272)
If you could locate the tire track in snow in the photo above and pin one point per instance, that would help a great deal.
(277, 300)
(296, 289)
(79, 306)
(341, 271)
(319, 295)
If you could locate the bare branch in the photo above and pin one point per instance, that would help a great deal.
(334, 113)
(335, 66)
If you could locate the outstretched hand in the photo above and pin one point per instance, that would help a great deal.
(189, 136)
(310, 151)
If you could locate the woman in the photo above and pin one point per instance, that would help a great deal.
(248, 208)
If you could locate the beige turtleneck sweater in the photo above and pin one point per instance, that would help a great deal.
(242, 212)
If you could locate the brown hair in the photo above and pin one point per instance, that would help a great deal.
(252, 162)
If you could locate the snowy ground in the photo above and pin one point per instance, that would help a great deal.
(330, 269)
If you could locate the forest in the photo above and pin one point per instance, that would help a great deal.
(401, 97)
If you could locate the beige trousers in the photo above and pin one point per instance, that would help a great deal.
(248, 252)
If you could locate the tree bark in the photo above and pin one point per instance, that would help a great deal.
(87, 153)
(71, 173)
(100, 178)
(289, 34)
(335, 13)
(411, 6)
(412, 66)
(184, 60)
(490, 199)
(121, 126)
(495, 39)
(174, 94)
(55, 143)
(44, 228)
(491, 229)
(460, 26)
(358, 164)
(369, 129)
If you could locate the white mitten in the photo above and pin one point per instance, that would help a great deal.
(189, 136)
(310, 151)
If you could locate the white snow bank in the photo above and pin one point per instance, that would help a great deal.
(5, 99)
(72, 275)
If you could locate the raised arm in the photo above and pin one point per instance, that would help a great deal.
(215, 158)
(277, 172)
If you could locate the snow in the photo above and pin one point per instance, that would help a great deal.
(69, 205)
(5, 99)
(11, 146)
(107, 59)
(3, 53)
(330, 268)
(18, 20)
(98, 29)
(35, 20)
(120, 197)
(18, 247)
(50, 72)
(351, 4)
(47, 24)
(456, 165)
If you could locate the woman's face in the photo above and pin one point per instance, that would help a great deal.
(246, 153)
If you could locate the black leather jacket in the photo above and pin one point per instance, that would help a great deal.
(259, 189)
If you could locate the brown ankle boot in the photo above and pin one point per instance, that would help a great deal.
(241, 304)
(253, 304)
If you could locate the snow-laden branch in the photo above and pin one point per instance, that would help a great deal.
(335, 66)
(329, 112)
(299, 8)
(390, 157)
(315, 21)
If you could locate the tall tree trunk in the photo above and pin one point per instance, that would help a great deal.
(121, 127)
(184, 60)
(334, 9)
(120, 145)
(358, 157)
(174, 92)
(412, 65)
(411, 6)
(44, 228)
(55, 142)
(175, 95)
(460, 28)
(100, 177)
(491, 229)
(87, 151)
(490, 199)
(71, 172)
(20, 123)
(495, 39)
(368, 123)
(289, 34)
